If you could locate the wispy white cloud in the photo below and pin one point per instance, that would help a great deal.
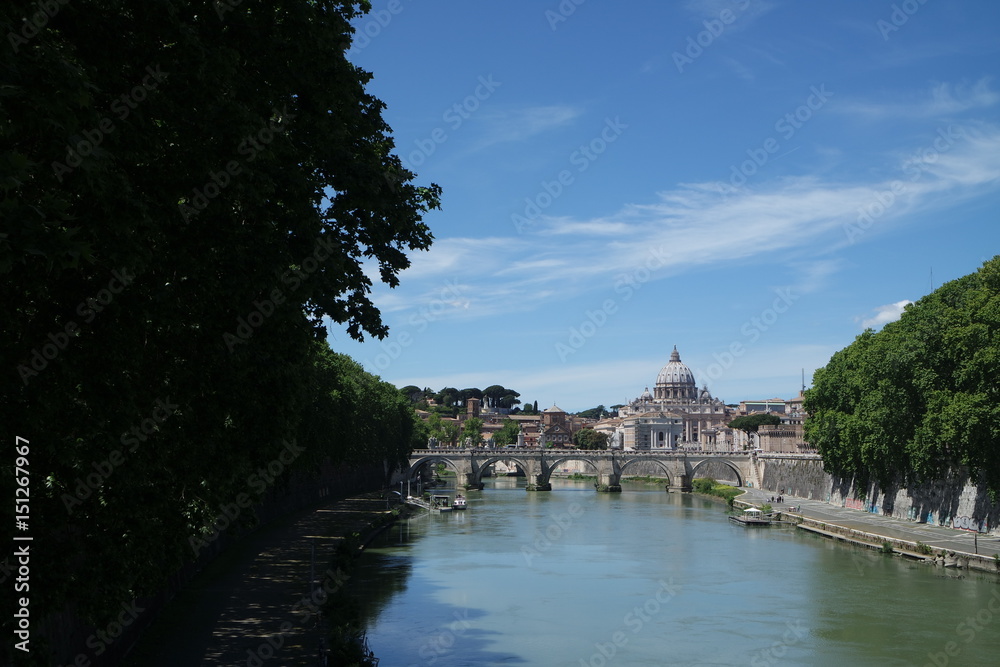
(745, 11)
(514, 125)
(942, 100)
(883, 314)
(741, 70)
(814, 274)
(802, 220)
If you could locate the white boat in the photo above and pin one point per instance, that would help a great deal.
(459, 503)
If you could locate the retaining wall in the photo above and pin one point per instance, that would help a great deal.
(953, 501)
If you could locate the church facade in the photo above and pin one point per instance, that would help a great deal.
(676, 415)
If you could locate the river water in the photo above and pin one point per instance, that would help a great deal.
(573, 577)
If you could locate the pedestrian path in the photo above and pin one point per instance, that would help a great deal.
(250, 606)
(936, 537)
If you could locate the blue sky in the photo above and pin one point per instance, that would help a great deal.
(754, 182)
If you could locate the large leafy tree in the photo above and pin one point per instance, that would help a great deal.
(493, 394)
(472, 432)
(588, 438)
(752, 423)
(507, 435)
(178, 214)
(920, 396)
(594, 413)
(509, 399)
(448, 396)
(471, 392)
(412, 393)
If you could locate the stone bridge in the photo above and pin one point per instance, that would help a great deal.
(679, 467)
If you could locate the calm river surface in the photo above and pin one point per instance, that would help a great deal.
(573, 577)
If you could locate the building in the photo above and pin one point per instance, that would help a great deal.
(556, 429)
(775, 405)
(786, 437)
(675, 415)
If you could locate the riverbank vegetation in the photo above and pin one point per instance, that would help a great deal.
(646, 479)
(920, 396)
(709, 487)
(169, 278)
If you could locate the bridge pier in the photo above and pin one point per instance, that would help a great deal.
(608, 482)
(470, 481)
(680, 483)
(538, 483)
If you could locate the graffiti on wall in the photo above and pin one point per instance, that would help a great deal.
(968, 523)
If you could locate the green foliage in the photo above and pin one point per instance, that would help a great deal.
(471, 392)
(588, 438)
(922, 548)
(421, 432)
(448, 396)
(766, 508)
(219, 221)
(710, 487)
(703, 484)
(646, 479)
(507, 435)
(594, 413)
(920, 396)
(497, 396)
(750, 423)
(445, 432)
(450, 431)
(472, 432)
(412, 393)
(887, 548)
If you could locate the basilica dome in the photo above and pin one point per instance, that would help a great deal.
(675, 379)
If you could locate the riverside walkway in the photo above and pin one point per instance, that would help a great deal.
(937, 537)
(250, 606)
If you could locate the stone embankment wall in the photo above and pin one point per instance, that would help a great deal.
(953, 501)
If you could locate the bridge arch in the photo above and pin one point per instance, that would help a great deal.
(563, 459)
(433, 458)
(487, 462)
(717, 461)
(662, 465)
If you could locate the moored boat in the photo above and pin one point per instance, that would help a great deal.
(459, 502)
(752, 516)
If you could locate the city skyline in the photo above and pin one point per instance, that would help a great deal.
(754, 182)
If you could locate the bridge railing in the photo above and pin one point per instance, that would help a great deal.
(586, 452)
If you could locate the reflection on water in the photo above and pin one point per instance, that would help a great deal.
(573, 577)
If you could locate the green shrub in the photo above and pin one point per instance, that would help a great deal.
(887, 548)
(710, 487)
(703, 485)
